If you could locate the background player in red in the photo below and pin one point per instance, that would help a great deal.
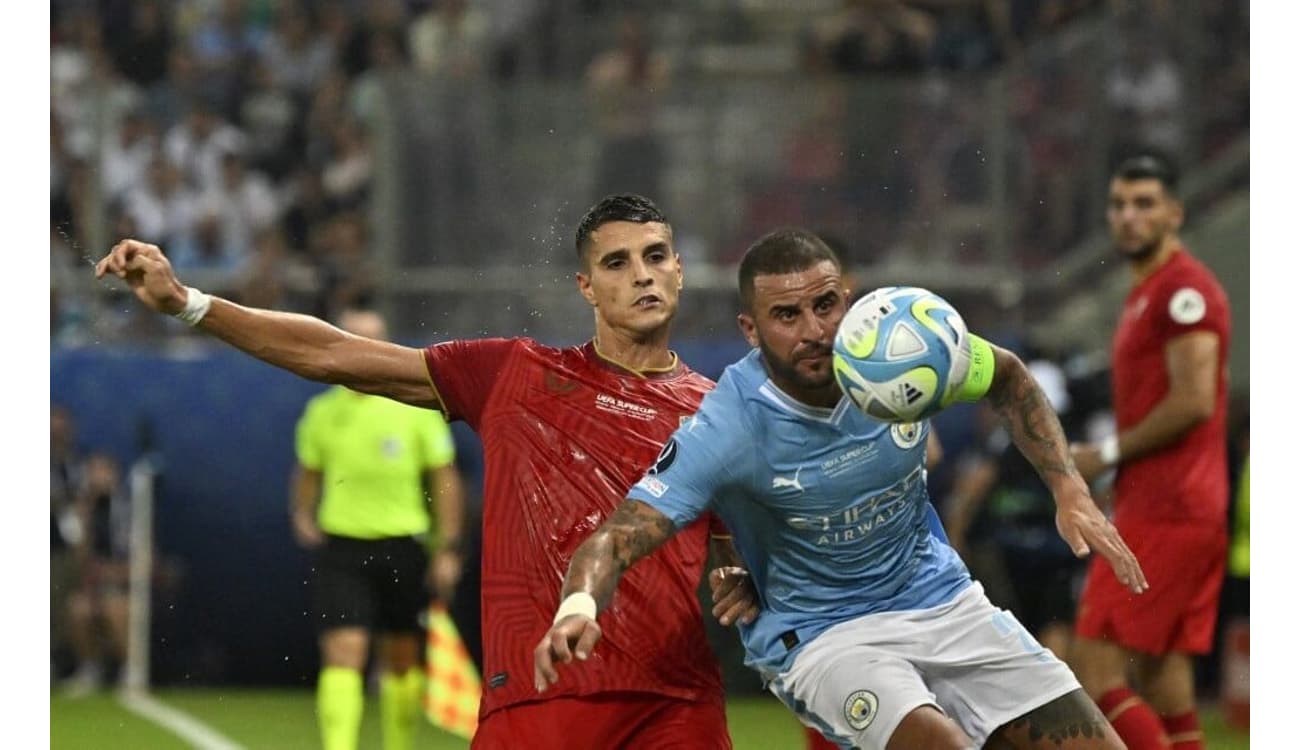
(1169, 392)
(565, 434)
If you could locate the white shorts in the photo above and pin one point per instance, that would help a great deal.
(855, 682)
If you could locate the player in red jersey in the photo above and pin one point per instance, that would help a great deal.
(1169, 391)
(566, 432)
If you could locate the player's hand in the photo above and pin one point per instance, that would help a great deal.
(148, 272)
(1087, 459)
(734, 597)
(1083, 526)
(574, 636)
(306, 530)
(444, 574)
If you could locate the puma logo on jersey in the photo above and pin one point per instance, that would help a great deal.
(779, 483)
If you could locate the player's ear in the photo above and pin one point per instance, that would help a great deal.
(748, 328)
(1177, 215)
(584, 287)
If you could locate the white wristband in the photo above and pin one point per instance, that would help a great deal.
(577, 603)
(196, 306)
(1108, 450)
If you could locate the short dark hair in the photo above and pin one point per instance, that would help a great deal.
(621, 207)
(1149, 165)
(781, 251)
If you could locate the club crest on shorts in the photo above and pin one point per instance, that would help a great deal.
(906, 434)
(860, 709)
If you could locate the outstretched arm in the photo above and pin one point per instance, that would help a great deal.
(633, 531)
(301, 344)
(1036, 431)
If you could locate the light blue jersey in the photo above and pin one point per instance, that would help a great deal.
(828, 508)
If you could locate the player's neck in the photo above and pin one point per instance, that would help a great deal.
(639, 355)
(1143, 268)
(823, 398)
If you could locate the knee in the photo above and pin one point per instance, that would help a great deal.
(1098, 667)
(345, 647)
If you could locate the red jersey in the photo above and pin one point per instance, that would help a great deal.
(1187, 480)
(565, 435)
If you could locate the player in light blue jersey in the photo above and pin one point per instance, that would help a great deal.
(870, 628)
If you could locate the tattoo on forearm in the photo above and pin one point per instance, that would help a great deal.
(1034, 426)
(638, 530)
(633, 531)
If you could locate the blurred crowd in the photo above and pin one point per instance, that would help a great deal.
(241, 135)
(1075, 87)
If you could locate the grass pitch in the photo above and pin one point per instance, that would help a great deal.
(285, 720)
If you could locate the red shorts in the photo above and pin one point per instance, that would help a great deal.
(1184, 565)
(629, 721)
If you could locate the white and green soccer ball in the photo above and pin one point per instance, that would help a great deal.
(901, 354)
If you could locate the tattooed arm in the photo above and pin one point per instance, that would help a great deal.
(632, 532)
(1036, 431)
(1032, 423)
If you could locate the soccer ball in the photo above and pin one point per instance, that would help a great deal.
(901, 353)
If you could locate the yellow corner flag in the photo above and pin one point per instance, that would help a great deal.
(453, 687)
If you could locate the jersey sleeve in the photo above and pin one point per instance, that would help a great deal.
(306, 441)
(464, 374)
(703, 457)
(439, 447)
(1189, 302)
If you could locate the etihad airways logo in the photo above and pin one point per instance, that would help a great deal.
(613, 405)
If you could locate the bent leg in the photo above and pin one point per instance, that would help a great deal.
(1101, 666)
(1169, 684)
(1071, 722)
